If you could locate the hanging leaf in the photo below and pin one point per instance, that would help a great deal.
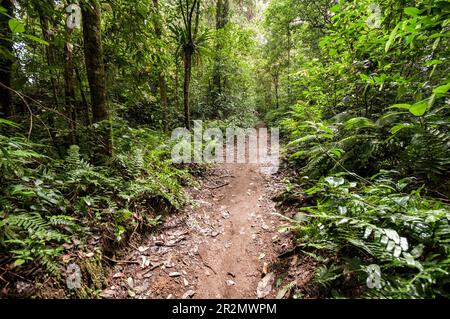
(391, 38)
(397, 128)
(36, 39)
(442, 89)
(419, 108)
(411, 11)
(16, 26)
(401, 106)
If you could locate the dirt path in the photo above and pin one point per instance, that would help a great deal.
(221, 246)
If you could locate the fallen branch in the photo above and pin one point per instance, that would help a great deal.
(122, 261)
(218, 186)
(206, 264)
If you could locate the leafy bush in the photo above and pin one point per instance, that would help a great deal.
(46, 202)
(371, 100)
(377, 222)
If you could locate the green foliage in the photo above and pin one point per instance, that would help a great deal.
(378, 222)
(371, 97)
(45, 202)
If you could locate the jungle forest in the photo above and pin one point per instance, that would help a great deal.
(93, 204)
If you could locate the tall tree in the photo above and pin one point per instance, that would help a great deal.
(6, 58)
(189, 42)
(93, 54)
(161, 77)
(69, 87)
(46, 10)
(222, 18)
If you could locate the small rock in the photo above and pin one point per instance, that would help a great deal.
(185, 282)
(261, 256)
(230, 282)
(188, 294)
(265, 286)
(175, 274)
(144, 287)
(143, 249)
(130, 282)
(170, 296)
(265, 269)
(107, 293)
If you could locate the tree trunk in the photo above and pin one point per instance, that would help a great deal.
(69, 90)
(222, 12)
(275, 82)
(95, 68)
(93, 54)
(187, 79)
(83, 106)
(161, 77)
(6, 60)
(50, 52)
(49, 49)
(223, 9)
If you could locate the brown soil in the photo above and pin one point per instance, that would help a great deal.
(216, 248)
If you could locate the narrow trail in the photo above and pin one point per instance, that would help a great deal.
(220, 246)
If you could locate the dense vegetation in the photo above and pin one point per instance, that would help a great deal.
(89, 95)
(360, 90)
(365, 109)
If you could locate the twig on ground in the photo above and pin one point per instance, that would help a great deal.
(206, 264)
(121, 261)
(218, 186)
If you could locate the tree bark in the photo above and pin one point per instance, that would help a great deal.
(69, 90)
(275, 82)
(83, 106)
(95, 68)
(187, 57)
(93, 54)
(6, 60)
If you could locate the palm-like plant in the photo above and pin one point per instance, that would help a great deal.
(191, 43)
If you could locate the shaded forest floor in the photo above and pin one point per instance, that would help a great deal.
(224, 244)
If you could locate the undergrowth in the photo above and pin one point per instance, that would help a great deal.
(48, 204)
